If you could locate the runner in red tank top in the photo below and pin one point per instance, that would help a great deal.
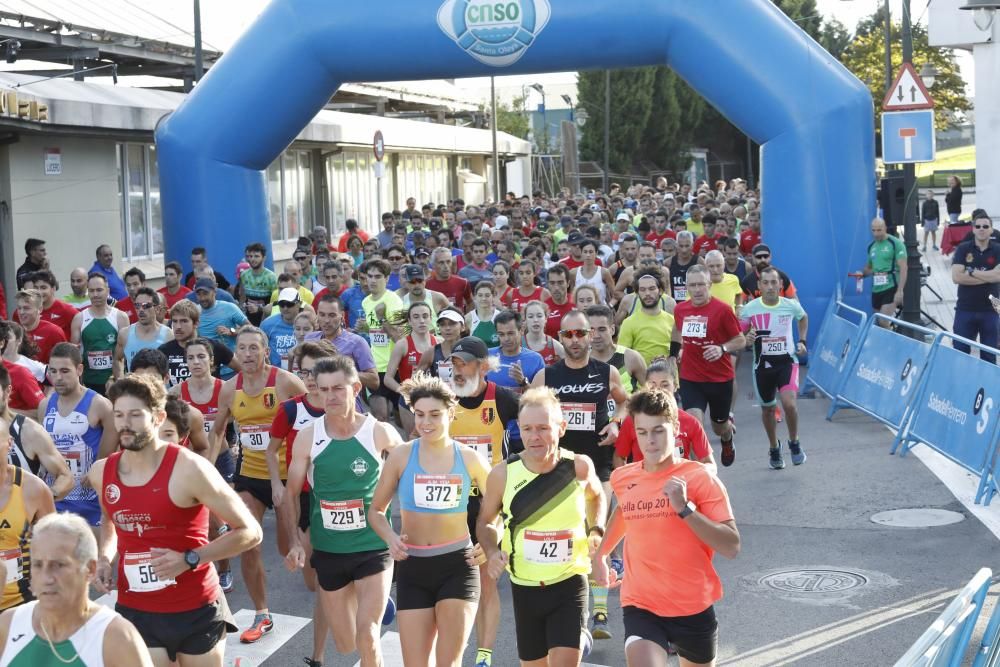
(416, 323)
(526, 290)
(158, 496)
(536, 316)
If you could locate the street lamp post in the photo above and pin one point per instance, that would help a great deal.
(580, 119)
(545, 124)
(607, 130)
(911, 290)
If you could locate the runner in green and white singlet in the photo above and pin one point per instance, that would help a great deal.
(341, 453)
(95, 330)
(63, 627)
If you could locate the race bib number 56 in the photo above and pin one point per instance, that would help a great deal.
(140, 574)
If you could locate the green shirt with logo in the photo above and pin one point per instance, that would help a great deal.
(882, 258)
(343, 475)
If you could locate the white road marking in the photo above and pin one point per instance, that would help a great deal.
(248, 655)
(963, 485)
(392, 653)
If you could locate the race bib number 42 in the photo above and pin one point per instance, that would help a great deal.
(140, 574)
(580, 416)
(437, 492)
(548, 547)
(343, 515)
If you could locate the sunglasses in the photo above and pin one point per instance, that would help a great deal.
(574, 333)
(143, 306)
(287, 304)
(761, 256)
(982, 227)
(396, 258)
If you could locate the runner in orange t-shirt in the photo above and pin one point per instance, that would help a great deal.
(676, 515)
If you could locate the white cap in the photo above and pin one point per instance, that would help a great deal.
(288, 295)
(669, 195)
(623, 216)
(501, 221)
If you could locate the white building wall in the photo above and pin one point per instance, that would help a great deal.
(73, 212)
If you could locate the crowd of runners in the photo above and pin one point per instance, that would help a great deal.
(470, 393)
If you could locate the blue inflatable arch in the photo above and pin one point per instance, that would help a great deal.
(811, 116)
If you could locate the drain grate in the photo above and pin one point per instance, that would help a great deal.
(816, 582)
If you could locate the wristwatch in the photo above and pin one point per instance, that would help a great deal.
(687, 511)
(192, 558)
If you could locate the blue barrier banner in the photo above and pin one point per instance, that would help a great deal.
(830, 353)
(955, 412)
(884, 373)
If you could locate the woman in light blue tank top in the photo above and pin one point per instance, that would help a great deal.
(437, 584)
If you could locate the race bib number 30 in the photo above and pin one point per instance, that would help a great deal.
(140, 574)
(695, 327)
(580, 416)
(437, 492)
(12, 565)
(343, 515)
(254, 437)
(548, 547)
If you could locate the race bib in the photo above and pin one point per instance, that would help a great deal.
(680, 293)
(343, 515)
(445, 371)
(254, 437)
(880, 279)
(379, 338)
(140, 575)
(12, 565)
(548, 547)
(695, 327)
(774, 345)
(75, 464)
(580, 416)
(482, 444)
(208, 425)
(100, 360)
(437, 492)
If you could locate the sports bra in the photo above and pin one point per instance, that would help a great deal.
(444, 493)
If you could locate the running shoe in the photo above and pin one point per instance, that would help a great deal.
(798, 456)
(728, 452)
(485, 660)
(312, 663)
(226, 581)
(262, 625)
(776, 462)
(618, 565)
(587, 641)
(483, 663)
(600, 623)
(390, 612)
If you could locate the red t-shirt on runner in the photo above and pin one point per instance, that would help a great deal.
(656, 239)
(748, 240)
(170, 299)
(46, 336)
(691, 440)
(25, 394)
(293, 416)
(556, 313)
(714, 323)
(456, 288)
(518, 301)
(707, 243)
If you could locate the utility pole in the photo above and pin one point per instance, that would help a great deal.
(199, 67)
(911, 290)
(493, 129)
(888, 48)
(607, 129)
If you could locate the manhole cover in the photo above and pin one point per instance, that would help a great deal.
(818, 582)
(918, 517)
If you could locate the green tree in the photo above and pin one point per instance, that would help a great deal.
(512, 119)
(631, 104)
(865, 58)
(835, 38)
(805, 13)
(676, 111)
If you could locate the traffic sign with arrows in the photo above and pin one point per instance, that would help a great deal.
(907, 92)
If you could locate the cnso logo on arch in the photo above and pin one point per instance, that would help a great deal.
(495, 32)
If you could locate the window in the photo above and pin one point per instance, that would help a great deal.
(289, 194)
(139, 194)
